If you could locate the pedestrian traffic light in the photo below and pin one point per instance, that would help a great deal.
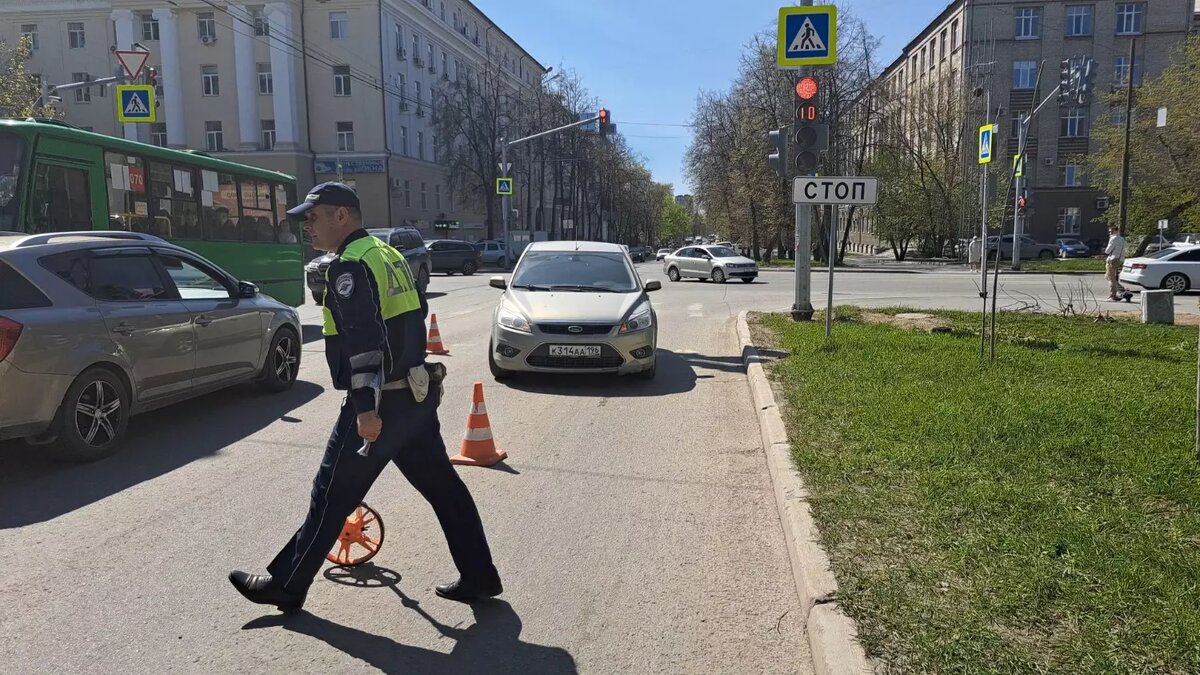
(1086, 83)
(810, 136)
(1022, 206)
(777, 142)
(605, 120)
(1066, 87)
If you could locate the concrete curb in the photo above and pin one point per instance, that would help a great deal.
(832, 637)
(878, 270)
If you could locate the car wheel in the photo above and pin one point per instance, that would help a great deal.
(673, 274)
(1046, 254)
(423, 278)
(1176, 283)
(282, 363)
(718, 275)
(469, 268)
(497, 372)
(91, 421)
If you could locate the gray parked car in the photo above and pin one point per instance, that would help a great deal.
(719, 263)
(1030, 249)
(406, 240)
(98, 326)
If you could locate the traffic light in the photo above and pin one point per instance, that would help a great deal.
(1087, 82)
(778, 144)
(605, 120)
(1022, 206)
(1066, 86)
(810, 136)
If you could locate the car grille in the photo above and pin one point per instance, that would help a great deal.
(540, 358)
(565, 328)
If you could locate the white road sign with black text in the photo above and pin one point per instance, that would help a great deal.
(835, 190)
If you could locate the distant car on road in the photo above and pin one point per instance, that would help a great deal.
(1158, 243)
(98, 326)
(1073, 248)
(1176, 268)
(718, 263)
(406, 240)
(452, 255)
(637, 254)
(571, 307)
(491, 252)
(662, 253)
(1030, 249)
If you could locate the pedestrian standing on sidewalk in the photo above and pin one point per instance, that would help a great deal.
(975, 252)
(1115, 253)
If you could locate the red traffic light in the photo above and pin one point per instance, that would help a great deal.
(603, 115)
(806, 87)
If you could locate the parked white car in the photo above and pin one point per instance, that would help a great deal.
(1176, 268)
(719, 263)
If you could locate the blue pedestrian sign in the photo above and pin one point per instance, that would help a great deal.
(135, 103)
(807, 36)
(504, 186)
(987, 142)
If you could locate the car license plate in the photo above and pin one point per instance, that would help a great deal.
(581, 351)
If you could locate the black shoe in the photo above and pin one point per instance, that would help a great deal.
(462, 591)
(261, 588)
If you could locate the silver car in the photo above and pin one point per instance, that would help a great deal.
(719, 263)
(98, 326)
(574, 307)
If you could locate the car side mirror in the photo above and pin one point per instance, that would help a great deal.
(247, 290)
(498, 282)
(653, 285)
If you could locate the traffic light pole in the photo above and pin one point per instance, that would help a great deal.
(802, 309)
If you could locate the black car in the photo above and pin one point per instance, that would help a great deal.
(452, 255)
(637, 253)
(406, 240)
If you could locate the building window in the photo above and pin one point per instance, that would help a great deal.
(339, 25)
(1074, 123)
(1029, 23)
(445, 68)
(267, 133)
(1116, 114)
(1070, 175)
(206, 25)
(1130, 16)
(942, 46)
(424, 201)
(1069, 221)
(1017, 120)
(457, 69)
(420, 145)
(266, 84)
(75, 36)
(30, 33)
(404, 141)
(341, 80)
(954, 35)
(407, 192)
(1121, 71)
(82, 94)
(1079, 20)
(402, 84)
(1024, 74)
(437, 196)
(416, 48)
(442, 12)
(158, 134)
(420, 100)
(149, 27)
(214, 138)
(922, 59)
(262, 27)
(429, 53)
(210, 81)
(345, 136)
(399, 42)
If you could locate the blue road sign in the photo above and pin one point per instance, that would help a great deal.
(135, 103)
(987, 141)
(807, 36)
(504, 186)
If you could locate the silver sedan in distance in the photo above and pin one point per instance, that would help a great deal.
(574, 307)
(719, 263)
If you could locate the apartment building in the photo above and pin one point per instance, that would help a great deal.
(990, 50)
(319, 90)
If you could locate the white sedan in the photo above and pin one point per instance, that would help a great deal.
(1176, 268)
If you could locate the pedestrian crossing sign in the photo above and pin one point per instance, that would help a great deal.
(807, 36)
(504, 186)
(135, 103)
(987, 143)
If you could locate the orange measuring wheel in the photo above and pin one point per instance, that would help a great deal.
(361, 537)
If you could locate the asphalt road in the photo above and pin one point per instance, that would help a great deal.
(633, 523)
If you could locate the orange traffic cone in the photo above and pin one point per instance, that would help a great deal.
(434, 344)
(478, 448)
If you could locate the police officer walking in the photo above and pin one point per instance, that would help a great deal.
(375, 344)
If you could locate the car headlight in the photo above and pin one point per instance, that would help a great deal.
(641, 319)
(513, 320)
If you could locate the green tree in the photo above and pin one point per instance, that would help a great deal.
(19, 90)
(674, 222)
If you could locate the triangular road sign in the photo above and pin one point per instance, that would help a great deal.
(136, 106)
(133, 62)
(807, 39)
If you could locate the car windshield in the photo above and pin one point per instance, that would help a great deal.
(722, 252)
(574, 271)
(1163, 253)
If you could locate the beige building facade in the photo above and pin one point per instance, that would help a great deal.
(320, 90)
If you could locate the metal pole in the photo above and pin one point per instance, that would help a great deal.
(1198, 404)
(983, 228)
(504, 201)
(833, 225)
(1125, 154)
(802, 309)
(1018, 184)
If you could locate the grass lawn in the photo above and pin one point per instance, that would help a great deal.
(1036, 515)
(1060, 265)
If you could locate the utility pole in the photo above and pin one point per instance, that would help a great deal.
(1128, 126)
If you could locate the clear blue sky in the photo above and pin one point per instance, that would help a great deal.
(646, 59)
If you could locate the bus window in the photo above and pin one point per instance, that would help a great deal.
(287, 230)
(128, 202)
(173, 202)
(221, 217)
(12, 157)
(256, 210)
(60, 201)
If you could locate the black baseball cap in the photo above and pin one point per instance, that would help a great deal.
(326, 194)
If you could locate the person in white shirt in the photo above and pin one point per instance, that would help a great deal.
(1115, 253)
(975, 252)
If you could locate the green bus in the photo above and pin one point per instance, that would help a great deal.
(55, 177)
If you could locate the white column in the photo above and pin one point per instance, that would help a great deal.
(123, 20)
(279, 17)
(171, 76)
(247, 90)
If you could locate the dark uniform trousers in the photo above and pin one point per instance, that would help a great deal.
(411, 438)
